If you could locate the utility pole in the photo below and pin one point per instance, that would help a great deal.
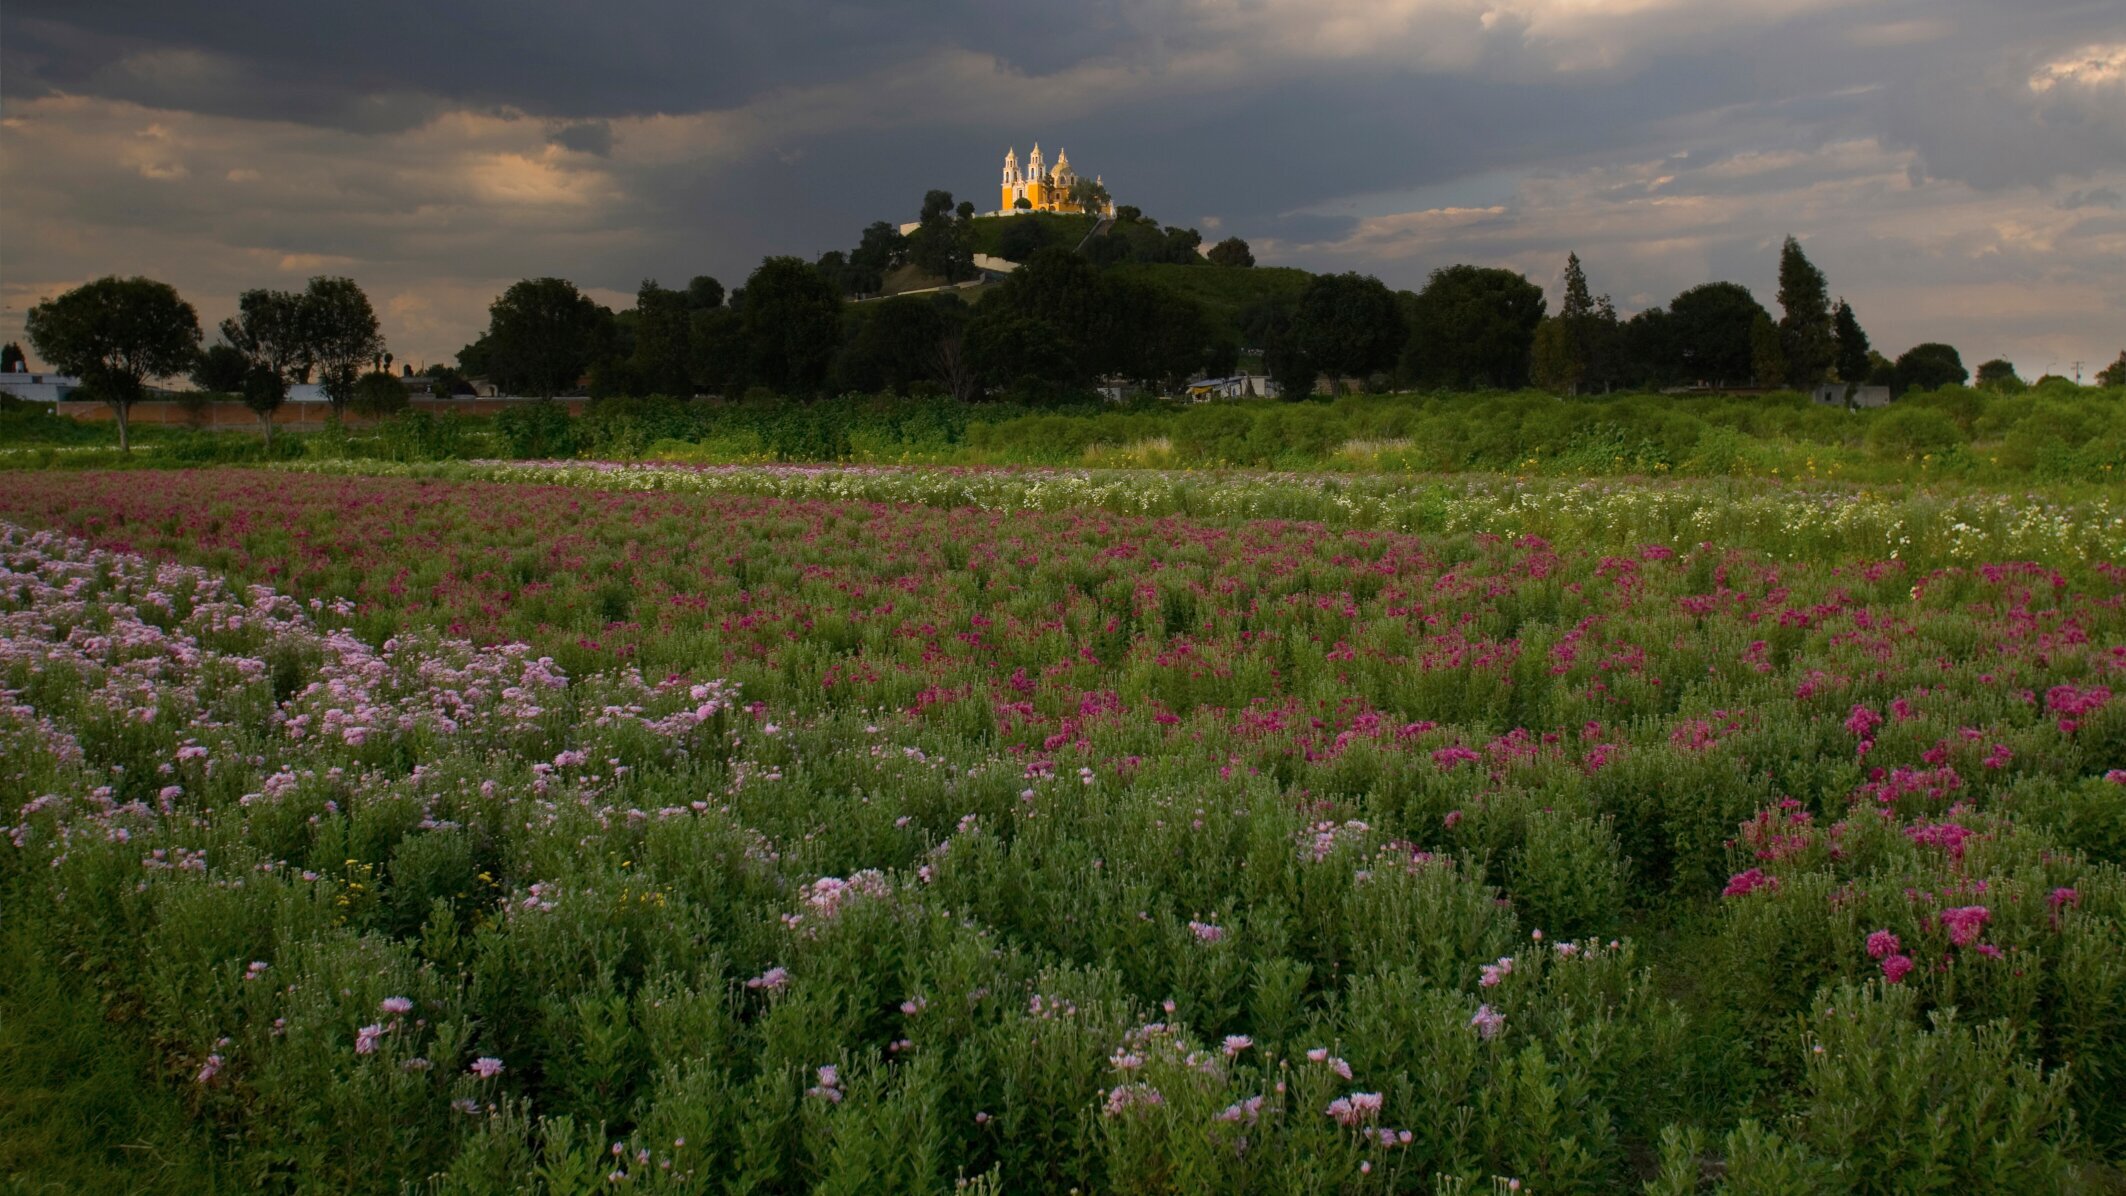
(2077, 373)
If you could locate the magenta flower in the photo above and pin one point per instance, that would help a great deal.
(1882, 943)
(1742, 884)
(1895, 968)
(1965, 923)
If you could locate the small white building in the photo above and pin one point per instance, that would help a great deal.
(38, 388)
(1239, 386)
(1832, 394)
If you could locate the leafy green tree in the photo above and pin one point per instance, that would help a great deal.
(1710, 327)
(2000, 376)
(1849, 344)
(446, 382)
(220, 369)
(792, 319)
(704, 293)
(716, 351)
(341, 336)
(1151, 335)
(895, 346)
(114, 334)
(1231, 252)
(1767, 354)
(1851, 356)
(1089, 195)
(663, 327)
(272, 332)
(1008, 349)
(1929, 366)
(1179, 247)
(1473, 326)
(264, 390)
(877, 252)
(1348, 325)
(2113, 374)
(11, 358)
(1807, 333)
(1021, 239)
(542, 334)
(1554, 362)
(1023, 204)
(941, 245)
(1579, 346)
(379, 394)
(1647, 352)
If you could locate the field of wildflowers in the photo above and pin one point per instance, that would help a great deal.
(559, 828)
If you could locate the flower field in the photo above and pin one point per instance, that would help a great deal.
(526, 827)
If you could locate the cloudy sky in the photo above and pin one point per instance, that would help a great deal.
(1957, 167)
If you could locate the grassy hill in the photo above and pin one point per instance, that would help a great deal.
(1055, 229)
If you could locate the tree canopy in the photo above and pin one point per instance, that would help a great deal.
(542, 335)
(115, 334)
(1710, 328)
(342, 336)
(1473, 326)
(1807, 336)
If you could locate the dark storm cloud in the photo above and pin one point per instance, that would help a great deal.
(328, 62)
(447, 146)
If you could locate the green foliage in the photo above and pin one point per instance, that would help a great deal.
(542, 334)
(1928, 367)
(114, 334)
(1711, 330)
(339, 335)
(792, 324)
(536, 430)
(1473, 327)
(1808, 337)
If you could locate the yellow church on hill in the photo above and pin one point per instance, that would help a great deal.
(1045, 189)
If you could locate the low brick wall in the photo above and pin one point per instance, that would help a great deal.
(167, 413)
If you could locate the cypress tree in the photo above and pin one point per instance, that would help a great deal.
(1805, 336)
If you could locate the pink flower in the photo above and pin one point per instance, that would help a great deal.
(1236, 1043)
(1206, 932)
(1488, 1022)
(395, 1005)
(772, 980)
(2064, 897)
(1355, 1109)
(366, 1038)
(487, 1067)
(1244, 1112)
(1447, 757)
(1895, 967)
(1965, 923)
(209, 1069)
(1861, 723)
(1742, 884)
(1882, 943)
(1495, 972)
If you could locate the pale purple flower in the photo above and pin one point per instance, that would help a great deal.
(487, 1067)
(395, 1005)
(1206, 932)
(772, 980)
(1488, 1022)
(1236, 1043)
(366, 1038)
(209, 1069)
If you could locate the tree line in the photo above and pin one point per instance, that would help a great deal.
(1062, 323)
